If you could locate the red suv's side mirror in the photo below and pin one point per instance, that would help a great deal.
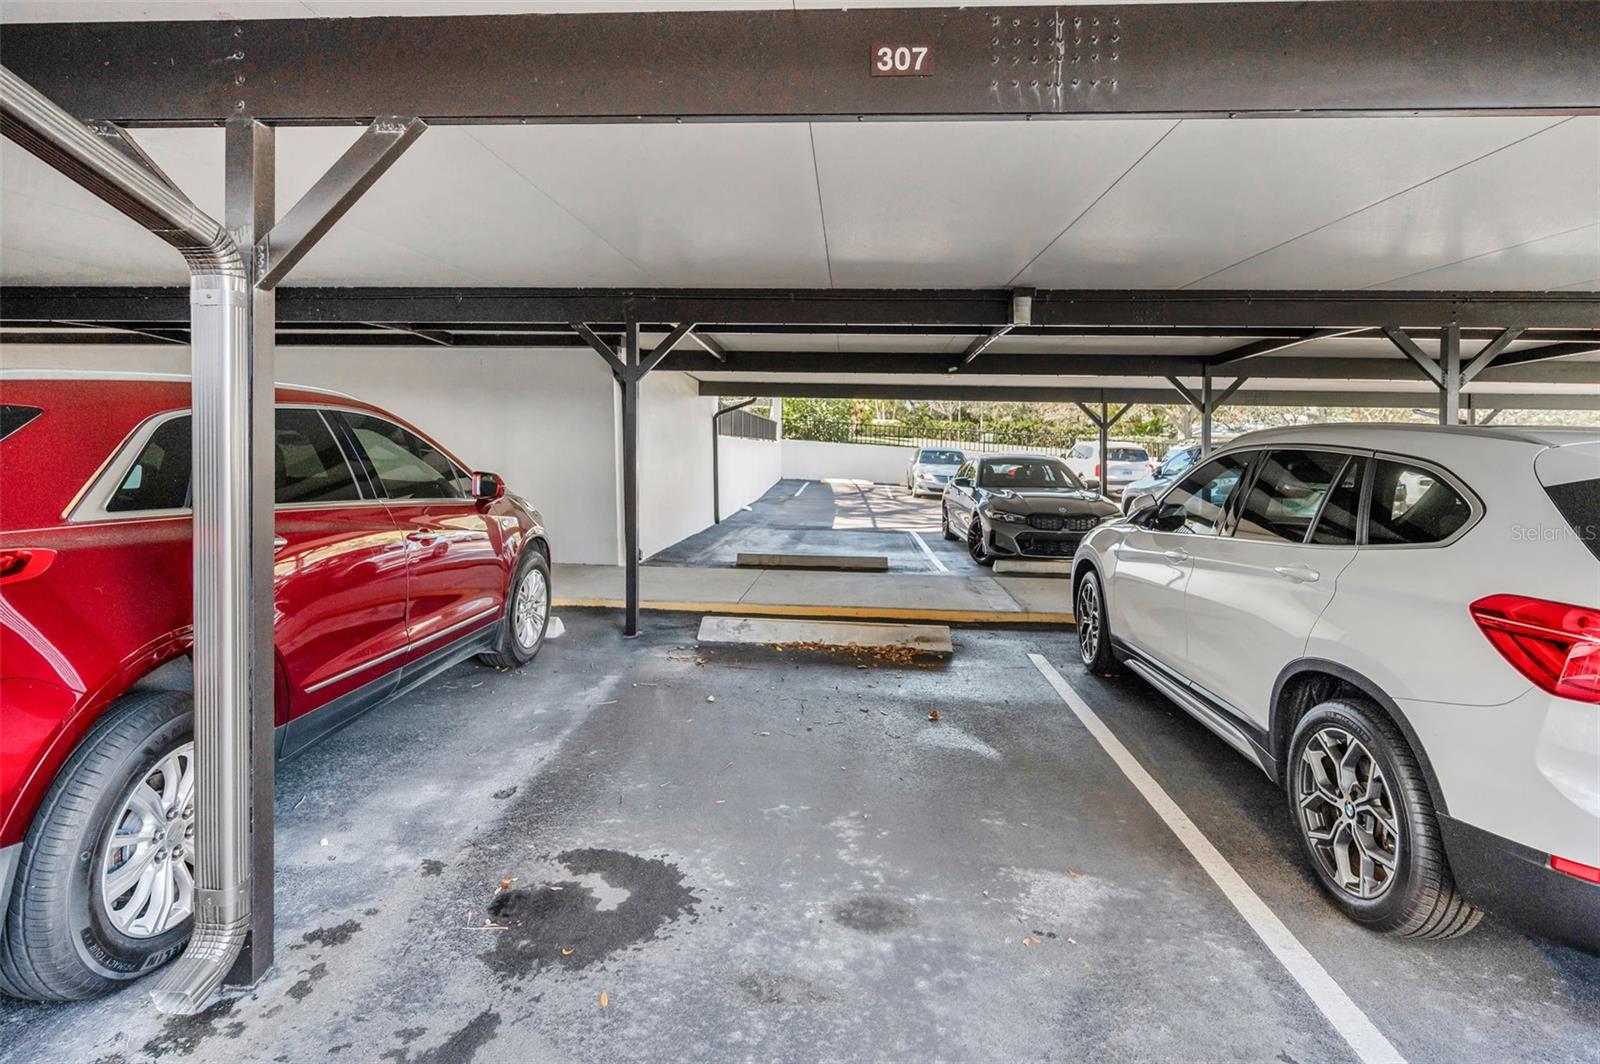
(487, 487)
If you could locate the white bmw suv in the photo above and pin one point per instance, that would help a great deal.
(1401, 625)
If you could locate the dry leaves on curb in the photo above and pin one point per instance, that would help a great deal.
(933, 715)
(1029, 940)
(505, 885)
(1074, 873)
(566, 951)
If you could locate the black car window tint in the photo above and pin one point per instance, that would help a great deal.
(159, 476)
(1202, 496)
(13, 416)
(1413, 505)
(1341, 513)
(1286, 494)
(1025, 473)
(307, 463)
(408, 466)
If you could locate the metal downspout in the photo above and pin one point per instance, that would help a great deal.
(219, 307)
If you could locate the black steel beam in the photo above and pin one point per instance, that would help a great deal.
(1340, 58)
(335, 192)
(1161, 396)
(1075, 364)
(978, 309)
(1270, 346)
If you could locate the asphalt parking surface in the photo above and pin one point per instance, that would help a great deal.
(829, 517)
(806, 868)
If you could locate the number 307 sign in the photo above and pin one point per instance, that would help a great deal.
(901, 60)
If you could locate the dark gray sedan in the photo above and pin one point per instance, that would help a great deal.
(1020, 506)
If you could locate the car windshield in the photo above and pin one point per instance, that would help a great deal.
(1128, 454)
(941, 457)
(1020, 473)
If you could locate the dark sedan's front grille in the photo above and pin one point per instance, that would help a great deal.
(1038, 546)
(1056, 523)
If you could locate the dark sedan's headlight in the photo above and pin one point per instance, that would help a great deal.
(1005, 515)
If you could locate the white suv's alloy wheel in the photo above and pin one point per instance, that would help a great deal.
(147, 882)
(1347, 813)
(1088, 618)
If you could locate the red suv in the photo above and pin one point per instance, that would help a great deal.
(392, 563)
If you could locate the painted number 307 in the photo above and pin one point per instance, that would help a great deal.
(900, 60)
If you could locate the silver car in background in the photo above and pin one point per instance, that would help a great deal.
(931, 469)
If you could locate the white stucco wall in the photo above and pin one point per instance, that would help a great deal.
(814, 460)
(541, 419)
(674, 460)
(747, 468)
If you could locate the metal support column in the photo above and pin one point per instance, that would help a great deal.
(1450, 372)
(716, 474)
(249, 212)
(629, 381)
(1206, 409)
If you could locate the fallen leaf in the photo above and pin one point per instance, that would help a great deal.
(1029, 940)
(605, 999)
(763, 733)
(711, 698)
(1074, 873)
(933, 715)
(720, 801)
(505, 885)
(566, 951)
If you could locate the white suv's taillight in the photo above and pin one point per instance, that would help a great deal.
(1554, 644)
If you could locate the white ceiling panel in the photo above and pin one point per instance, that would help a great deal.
(717, 204)
(1215, 192)
(961, 203)
(907, 205)
(54, 232)
(448, 212)
(1548, 183)
(1550, 263)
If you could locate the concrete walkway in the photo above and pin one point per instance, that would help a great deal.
(952, 598)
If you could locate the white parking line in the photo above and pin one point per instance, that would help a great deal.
(1344, 1014)
(934, 558)
(803, 487)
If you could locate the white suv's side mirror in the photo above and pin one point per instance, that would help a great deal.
(1140, 504)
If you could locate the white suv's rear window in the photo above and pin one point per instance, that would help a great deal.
(1571, 477)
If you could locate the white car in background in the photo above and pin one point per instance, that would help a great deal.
(931, 469)
(1401, 625)
(1125, 463)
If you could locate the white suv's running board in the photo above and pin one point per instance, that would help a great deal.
(1197, 709)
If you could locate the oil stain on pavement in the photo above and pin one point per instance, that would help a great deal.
(876, 914)
(569, 924)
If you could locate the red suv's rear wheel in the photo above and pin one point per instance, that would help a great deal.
(117, 821)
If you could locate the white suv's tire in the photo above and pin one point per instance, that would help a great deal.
(1365, 820)
(1093, 625)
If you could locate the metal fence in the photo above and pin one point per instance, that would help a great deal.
(748, 426)
(976, 442)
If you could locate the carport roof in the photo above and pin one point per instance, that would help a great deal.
(1362, 207)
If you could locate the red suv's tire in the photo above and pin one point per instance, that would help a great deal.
(60, 944)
